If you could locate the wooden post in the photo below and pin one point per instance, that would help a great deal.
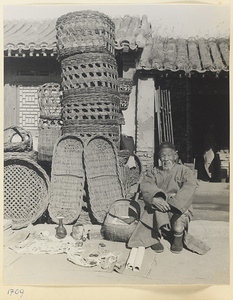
(189, 150)
(145, 121)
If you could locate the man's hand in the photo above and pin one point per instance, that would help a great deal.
(160, 204)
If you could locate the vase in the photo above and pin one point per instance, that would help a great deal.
(60, 230)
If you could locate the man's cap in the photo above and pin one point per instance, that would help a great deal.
(166, 145)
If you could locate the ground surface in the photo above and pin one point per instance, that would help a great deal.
(210, 224)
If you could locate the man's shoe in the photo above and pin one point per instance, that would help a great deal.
(158, 247)
(177, 245)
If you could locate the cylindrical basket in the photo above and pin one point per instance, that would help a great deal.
(17, 139)
(85, 31)
(88, 130)
(49, 132)
(89, 70)
(99, 106)
(49, 98)
(26, 187)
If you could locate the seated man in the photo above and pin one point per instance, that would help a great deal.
(168, 194)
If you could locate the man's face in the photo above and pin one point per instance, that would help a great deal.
(168, 158)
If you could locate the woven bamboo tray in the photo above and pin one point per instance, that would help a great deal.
(49, 98)
(88, 70)
(67, 179)
(89, 107)
(103, 176)
(121, 220)
(85, 31)
(26, 187)
(90, 130)
(17, 139)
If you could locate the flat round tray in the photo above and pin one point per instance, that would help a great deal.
(26, 187)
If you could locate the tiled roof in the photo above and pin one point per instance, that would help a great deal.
(25, 35)
(38, 38)
(199, 55)
(22, 37)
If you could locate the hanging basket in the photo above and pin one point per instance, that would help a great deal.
(49, 98)
(67, 179)
(121, 220)
(26, 187)
(103, 176)
(125, 85)
(17, 139)
(124, 101)
(89, 70)
(101, 106)
(85, 31)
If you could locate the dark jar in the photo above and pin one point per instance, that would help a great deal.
(60, 230)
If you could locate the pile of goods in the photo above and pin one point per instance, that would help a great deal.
(91, 102)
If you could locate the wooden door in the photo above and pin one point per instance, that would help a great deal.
(163, 118)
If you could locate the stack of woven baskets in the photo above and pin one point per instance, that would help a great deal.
(49, 97)
(91, 103)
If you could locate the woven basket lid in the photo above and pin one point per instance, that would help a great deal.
(67, 179)
(26, 187)
(103, 175)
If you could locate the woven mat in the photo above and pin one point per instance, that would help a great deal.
(67, 179)
(103, 179)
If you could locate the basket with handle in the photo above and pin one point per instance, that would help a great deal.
(26, 190)
(49, 98)
(17, 139)
(85, 31)
(67, 179)
(121, 220)
(103, 175)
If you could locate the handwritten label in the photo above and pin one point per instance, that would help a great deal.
(12, 292)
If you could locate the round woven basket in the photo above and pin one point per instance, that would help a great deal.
(114, 227)
(101, 106)
(85, 31)
(49, 98)
(17, 139)
(89, 70)
(26, 187)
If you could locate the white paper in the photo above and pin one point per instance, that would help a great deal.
(139, 258)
